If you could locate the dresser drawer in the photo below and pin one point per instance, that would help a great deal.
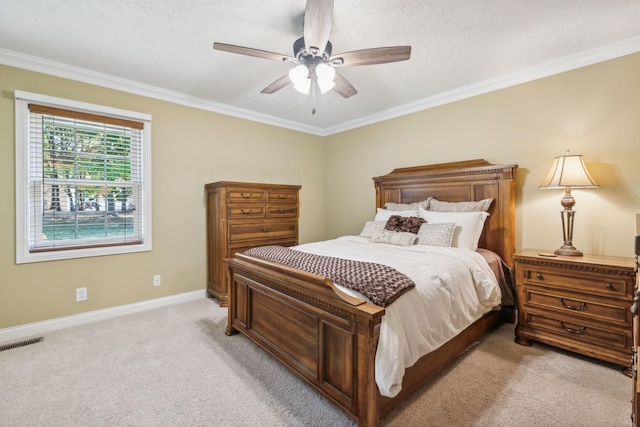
(244, 211)
(600, 338)
(282, 211)
(592, 283)
(245, 246)
(612, 312)
(262, 230)
(282, 197)
(246, 195)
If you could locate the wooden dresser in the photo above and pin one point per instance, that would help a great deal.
(581, 304)
(242, 215)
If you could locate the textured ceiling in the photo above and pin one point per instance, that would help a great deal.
(163, 48)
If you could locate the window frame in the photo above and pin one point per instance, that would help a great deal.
(23, 163)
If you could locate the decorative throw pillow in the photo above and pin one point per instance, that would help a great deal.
(439, 234)
(385, 214)
(406, 224)
(469, 226)
(408, 206)
(394, 238)
(371, 227)
(440, 206)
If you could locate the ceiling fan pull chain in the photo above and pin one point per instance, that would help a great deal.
(314, 90)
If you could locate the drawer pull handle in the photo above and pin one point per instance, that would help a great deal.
(539, 276)
(246, 196)
(610, 287)
(281, 196)
(249, 212)
(282, 211)
(571, 330)
(572, 307)
(265, 230)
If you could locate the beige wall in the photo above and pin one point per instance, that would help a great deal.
(594, 111)
(190, 147)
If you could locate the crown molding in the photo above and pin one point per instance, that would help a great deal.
(57, 69)
(568, 63)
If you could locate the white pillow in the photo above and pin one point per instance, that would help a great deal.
(469, 226)
(408, 206)
(439, 234)
(398, 238)
(371, 227)
(440, 206)
(385, 214)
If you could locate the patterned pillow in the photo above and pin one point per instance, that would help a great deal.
(440, 234)
(371, 227)
(440, 206)
(406, 224)
(468, 229)
(394, 238)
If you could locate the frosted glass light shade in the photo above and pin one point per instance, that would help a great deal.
(325, 72)
(299, 74)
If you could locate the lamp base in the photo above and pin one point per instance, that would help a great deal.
(566, 250)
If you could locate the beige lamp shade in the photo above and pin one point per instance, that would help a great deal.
(568, 171)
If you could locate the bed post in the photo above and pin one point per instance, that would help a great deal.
(367, 393)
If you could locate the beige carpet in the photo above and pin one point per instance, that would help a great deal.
(174, 366)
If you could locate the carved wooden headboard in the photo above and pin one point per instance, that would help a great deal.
(470, 180)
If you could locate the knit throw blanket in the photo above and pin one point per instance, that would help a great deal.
(380, 283)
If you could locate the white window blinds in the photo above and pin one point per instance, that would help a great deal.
(86, 181)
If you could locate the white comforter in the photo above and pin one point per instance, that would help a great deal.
(454, 288)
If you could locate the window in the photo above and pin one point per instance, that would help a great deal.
(83, 184)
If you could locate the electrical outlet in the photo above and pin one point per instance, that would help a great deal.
(156, 280)
(81, 294)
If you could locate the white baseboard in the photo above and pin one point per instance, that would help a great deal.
(39, 328)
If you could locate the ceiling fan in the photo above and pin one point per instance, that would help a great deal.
(313, 52)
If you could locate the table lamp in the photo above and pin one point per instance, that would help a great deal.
(568, 171)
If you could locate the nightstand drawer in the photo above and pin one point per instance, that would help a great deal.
(596, 284)
(583, 332)
(612, 312)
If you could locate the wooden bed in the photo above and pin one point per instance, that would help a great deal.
(329, 339)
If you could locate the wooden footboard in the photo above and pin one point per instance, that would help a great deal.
(325, 336)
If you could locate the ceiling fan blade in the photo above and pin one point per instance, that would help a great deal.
(376, 55)
(343, 87)
(318, 17)
(253, 52)
(277, 85)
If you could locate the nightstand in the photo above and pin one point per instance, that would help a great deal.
(581, 304)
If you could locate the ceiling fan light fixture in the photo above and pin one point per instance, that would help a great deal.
(303, 87)
(325, 85)
(299, 74)
(325, 72)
